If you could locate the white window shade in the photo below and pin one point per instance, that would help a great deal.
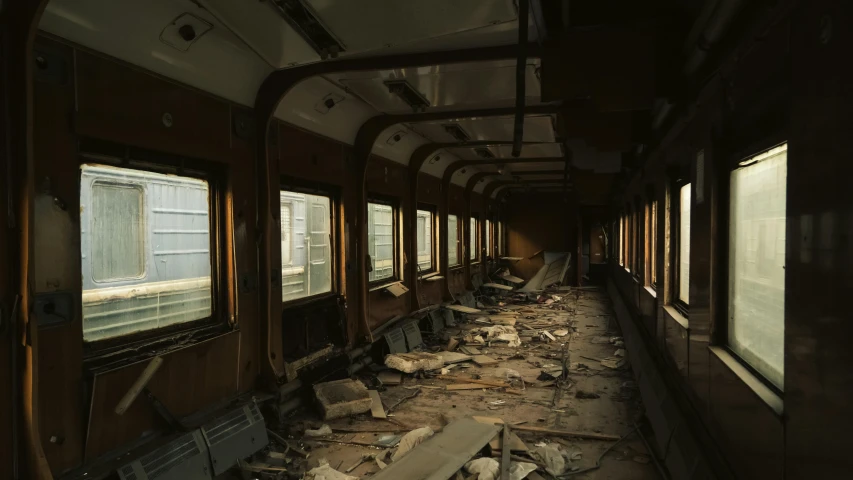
(424, 219)
(757, 239)
(380, 240)
(452, 240)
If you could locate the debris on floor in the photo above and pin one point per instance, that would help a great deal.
(549, 363)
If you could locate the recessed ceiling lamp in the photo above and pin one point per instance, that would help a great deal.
(408, 94)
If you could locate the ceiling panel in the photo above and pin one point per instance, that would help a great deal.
(388, 23)
(478, 84)
(505, 151)
(536, 128)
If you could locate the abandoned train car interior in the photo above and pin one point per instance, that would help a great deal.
(426, 239)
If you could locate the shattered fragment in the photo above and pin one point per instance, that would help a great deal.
(326, 472)
(410, 441)
(414, 361)
(319, 432)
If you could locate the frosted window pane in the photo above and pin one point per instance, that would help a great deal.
(117, 232)
(145, 251)
(653, 233)
(757, 263)
(488, 237)
(452, 241)
(286, 234)
(424, 240)
(306, 250)
(684, 245)
(380, 240)
(472, 239)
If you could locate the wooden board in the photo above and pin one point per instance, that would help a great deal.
(390, 377)
(484, 360)
(441, 456)
(515, 443)
(513, 279)
(376, 408)
(503, 320)
(470, 350)
(468, 386)
(453, 357)
(497, 286)
(462, 309)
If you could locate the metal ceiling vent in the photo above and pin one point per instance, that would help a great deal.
(184, 458)
(234, 435)
(457, 132)
(484, 153)
(408, 94)
(308, 26)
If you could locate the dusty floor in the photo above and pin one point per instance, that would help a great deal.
(613, 412)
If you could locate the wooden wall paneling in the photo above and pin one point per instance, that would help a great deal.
(819, 257)
(241, 218)
(309, 157)
(537, 222)
(56, 260)
(189, 379)
(198, 127)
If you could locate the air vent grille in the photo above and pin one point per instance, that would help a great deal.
(408, 94)
(160, 461)
(128, 473)
(484, 153)
(321, 39)
(457, 132)
(226, 426)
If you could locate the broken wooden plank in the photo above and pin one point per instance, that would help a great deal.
(516, 444)
(470, 350)
(390, 377)
(453, 357)
(484, 360)
(376, 408)
(497, 286)
(548, 334)
(462, 309)
(467, 386)
(503, 319)
(452, 344)
(505, 453)
(442, 455)
(567, 433)
(491, 383)
(512, 279)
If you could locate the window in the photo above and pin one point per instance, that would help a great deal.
(650, 240)
(488, 232)
(472, 240)
(145, 251)
(636, 255)
(622, 239)
(452, 241)
(380, 241)
(306, 245)
(501, 234)
(425, 257)
(653, 242)
(757, 222)
(682, 251)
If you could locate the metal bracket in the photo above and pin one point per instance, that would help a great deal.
(50, 67)
(248, 282)
(243, 125)
(54, 308)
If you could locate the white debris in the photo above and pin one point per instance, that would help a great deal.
(411, 440)
(554, 462)
(412, 362)
(488, 468)
(326, 472)
(320, 432)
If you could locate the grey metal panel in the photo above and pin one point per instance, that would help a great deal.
(185, 458)
(235, 435)
(413, 334)
(396, 341)
(437, 320)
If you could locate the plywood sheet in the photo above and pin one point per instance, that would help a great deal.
(484, 360)
(190, 379)
(462, 309)
(444, 454)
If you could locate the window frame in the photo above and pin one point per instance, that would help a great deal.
(488, 252)
(474, 237)
(119, 348)
(720, 335)
(434, 239)
(638, 258)
(294, 185)
(650, 238)
(395, 238)
(675, 239)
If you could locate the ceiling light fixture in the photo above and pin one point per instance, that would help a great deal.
(408, 94)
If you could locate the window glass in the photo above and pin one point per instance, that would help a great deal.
(145, 251)
(622, 240)
(452, 241)
(488, 245)
(424, 240)
(306, 250)
(757, 262)
(684, 245)
(653, 247)
(380, 240)
(472, 239)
